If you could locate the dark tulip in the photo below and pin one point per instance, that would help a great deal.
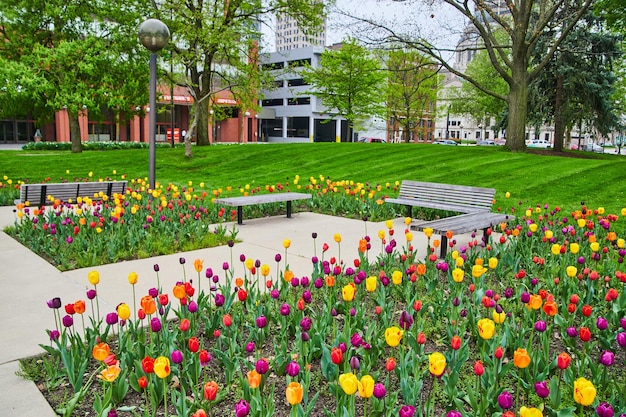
(219, 300)
(304, 336)
(54, 303)
(277, 257)
(230, 243)
(355, 364)
(181, 260)
(314, 235)
(156, 267)
(68, 321)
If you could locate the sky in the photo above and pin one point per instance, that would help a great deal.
(438, 23)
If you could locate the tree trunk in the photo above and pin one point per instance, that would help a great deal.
(559, 128)
(242, 122)
(191, 132)
(77, 146)
(202, 116)
(518, 104)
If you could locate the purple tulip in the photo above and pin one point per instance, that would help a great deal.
(356, 340)
(318, 283)
(541, 326)
(342, 347)
(305, 324)
(153, 292)
(508, 293)
(68, 321)
(219, 300)
(111, 318)
(406, 320)
(112, 413)
(607, 358)
(304, 336)
(605, 410)
(250, 347)
(54, 303)
(304, 281)
(192, 307)
(307, 297)
(155, 324)
(225, 266)
(91, 294)
(262, 366)
(156, 267)
(572, 332)
(292, 369)
(454, 413)
(542, 390)
(525, 298)
(54, 334)
(314, 260)
(505, 400)
(208, 273)
(622, 322)
(406, 411)
(602, 323)
(379, 390)
(352, 311)
(216, 279)
(275, 294)
(285, 309)
(261, 322)
(620, 338)
(456, 302)
(257, 264)
(355, 363)
(242, 408)
(177, 356)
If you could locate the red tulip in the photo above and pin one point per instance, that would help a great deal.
(336, 355)
(421, 338)
(147, 364)
(193, 344)
(563, 360)
(390, 364)
(227, 320)
(479, 369)
(499, 352)
(456, 342)
(242, 294)
(585, 334)
(587, 310)
(210, 390)
(142, 382)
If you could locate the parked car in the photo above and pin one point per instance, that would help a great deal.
(486, 143)
(538, 143)
(372, 140)
(445, 142)
(593, 147)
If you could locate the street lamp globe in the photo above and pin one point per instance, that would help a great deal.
(154, 34)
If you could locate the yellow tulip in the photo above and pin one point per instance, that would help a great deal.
(132, 278)
(294, 393)
(249, 263)
(549, 234)
(349, 383)
(571, 271)
(436, 363)
(581, 222)
(407, 221)
(574, 247)
(595, 246)
(348, 292)
(366, 386)
(337, 237)
(428, 232)
(123, 311)
(458, 274)
(94, 277)
(529, 212)
(286, 243)
(381, 234)
(493, 263)
(408, 236)
(486, 328)
(498, 317)
(530, 412)
(370, 284)
(162, 367)
(623, 212)
(584, 391)
(600, 210)
(507, 195)
(620, 243)
(459, 261)
(478, 271)
(555, 249)
(533, 227)
(396, 277)
(389, 224)
(265, 270)
(393, 336)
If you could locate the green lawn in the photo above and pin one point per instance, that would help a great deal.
(596, 180)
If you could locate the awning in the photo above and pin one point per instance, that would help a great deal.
(266, 113)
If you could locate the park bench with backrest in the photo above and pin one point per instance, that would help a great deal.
(256, 199)
(68, 192)
(472, 203)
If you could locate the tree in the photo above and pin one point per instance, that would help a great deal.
(526, 23)
(350, 82)
(578, 82)
(73, 57)
(214, 46)
(412, 89)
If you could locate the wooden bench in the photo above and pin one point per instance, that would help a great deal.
(69, 192)
(252, 200)
(474, 204)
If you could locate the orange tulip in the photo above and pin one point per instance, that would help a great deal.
(330, 281)
(294, 393)
(521, 359)
(254, 379)
(100, 351)
(111, 373)
(179, 291)
(148, 305)
(210, 390)
(550, 308)
(197, 265)
(79, 307)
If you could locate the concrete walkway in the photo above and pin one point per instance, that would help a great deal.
(28, 282)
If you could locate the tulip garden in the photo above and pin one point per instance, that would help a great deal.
(531, 322)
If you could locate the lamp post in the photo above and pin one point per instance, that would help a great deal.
(154, 35)
(448, 123)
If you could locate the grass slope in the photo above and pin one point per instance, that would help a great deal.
(598, 180)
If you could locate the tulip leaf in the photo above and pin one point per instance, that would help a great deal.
(566, 412)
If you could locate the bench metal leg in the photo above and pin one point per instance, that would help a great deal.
(289, 209)
(239, 215)
(444, 247)
(409, 211)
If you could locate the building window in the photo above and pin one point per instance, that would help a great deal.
(298, 101)
(272, 102)
(299, 62)
(274, 66)
(278, 83)
(297, 127)
(296, 82)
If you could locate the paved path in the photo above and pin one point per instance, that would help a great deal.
(27, 282)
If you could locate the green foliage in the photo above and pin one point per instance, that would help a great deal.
(349, 81)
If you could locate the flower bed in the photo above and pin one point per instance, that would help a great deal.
(531, 323)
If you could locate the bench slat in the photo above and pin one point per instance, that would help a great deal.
(36, 194)
(251, 200)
